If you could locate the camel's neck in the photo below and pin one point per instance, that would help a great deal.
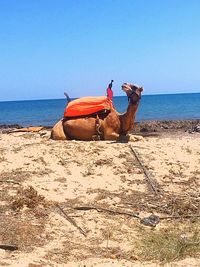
(128, 118)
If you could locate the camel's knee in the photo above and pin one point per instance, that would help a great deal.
(111, 136)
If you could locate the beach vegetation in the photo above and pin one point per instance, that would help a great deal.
(188, 150)
(2, 159)
(174, 242)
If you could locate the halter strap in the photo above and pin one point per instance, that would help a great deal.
(130, 99)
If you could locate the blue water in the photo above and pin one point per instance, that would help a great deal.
(152, 107)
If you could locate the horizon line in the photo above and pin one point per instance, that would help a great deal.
(43, 99)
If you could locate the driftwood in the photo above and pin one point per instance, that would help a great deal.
(8, 247)
(148, 178)
(34, 129)
(72, 221)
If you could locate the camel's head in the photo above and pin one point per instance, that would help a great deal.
(133, 91)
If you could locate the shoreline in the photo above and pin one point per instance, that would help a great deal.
(147, 126)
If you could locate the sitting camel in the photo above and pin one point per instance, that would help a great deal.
(106, 126)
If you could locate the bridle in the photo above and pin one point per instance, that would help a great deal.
(130, 97)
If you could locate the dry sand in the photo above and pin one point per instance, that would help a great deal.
(37, 173)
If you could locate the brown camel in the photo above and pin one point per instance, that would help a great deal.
(107, 126)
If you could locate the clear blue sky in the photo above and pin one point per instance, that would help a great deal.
(51, 46)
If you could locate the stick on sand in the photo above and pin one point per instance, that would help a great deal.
(148, 179)
(72, 221)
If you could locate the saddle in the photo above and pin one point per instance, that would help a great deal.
(85, 106)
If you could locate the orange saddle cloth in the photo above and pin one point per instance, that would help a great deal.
(87, 105)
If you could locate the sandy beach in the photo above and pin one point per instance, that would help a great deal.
(69, 203)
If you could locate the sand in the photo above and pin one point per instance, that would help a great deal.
(37, 173)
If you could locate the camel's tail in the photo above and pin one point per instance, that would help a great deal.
(67, 96)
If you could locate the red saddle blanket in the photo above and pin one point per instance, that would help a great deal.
(87, 105)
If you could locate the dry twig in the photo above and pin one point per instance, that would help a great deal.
(9, 181)
(107, 210)
(151, 220)
(180, 217)
(72, 221)
(8, 247)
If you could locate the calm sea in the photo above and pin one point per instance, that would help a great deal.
(152, 107)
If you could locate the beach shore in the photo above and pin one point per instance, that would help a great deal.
(69, 203)
(139, 127)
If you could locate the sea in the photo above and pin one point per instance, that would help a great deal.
(152, 107)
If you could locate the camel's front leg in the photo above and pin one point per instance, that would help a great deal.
(135, 138)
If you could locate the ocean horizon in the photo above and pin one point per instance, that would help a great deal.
(152, 107)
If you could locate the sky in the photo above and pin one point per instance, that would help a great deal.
(51, 46)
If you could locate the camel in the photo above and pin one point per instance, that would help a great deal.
(107, 126)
